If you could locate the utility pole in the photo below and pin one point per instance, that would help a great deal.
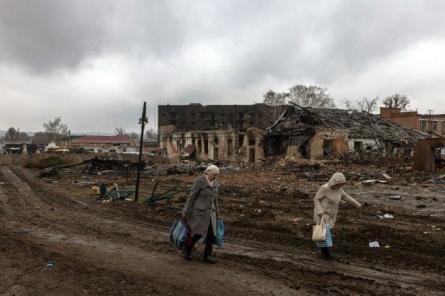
(142, 121)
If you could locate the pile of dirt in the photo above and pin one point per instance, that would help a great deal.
(44, 163)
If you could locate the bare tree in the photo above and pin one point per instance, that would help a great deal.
(272, 98)
(364, 105)
(151, 134)
(310, 96)
(41, 138)
(119, 131)
(368, 105)
(11, 135)
(56, 129)
(396, 101)
(14, 135)
(134, 135)
(349, 105)
(276, 104)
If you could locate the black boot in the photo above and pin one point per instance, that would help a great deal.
(326, 253)
(208, 258)
(187, 253)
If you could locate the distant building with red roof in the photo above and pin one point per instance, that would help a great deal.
(97, 144)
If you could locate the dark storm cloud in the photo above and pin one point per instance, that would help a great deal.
(98, 52)
(45, 35)
(283, 38)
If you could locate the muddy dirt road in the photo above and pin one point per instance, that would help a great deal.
(117, 250)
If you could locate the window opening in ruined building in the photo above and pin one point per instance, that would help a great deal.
(434, 125)
(304, 150)
(206, 146)
(251, 139)
(230, 147)
(275, 145)
(328, 148)
(215, 153)
(199, 146)
(240, 140)
(423, 124)
(252, 155)
(216, 140)
(358, 146)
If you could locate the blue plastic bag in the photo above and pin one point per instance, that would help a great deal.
(219, 237)
(179, 234)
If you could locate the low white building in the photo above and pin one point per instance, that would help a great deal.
(104, 144)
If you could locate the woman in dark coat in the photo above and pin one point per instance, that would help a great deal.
(201, 212)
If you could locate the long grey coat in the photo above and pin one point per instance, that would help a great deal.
(328, 198)
(201, 207)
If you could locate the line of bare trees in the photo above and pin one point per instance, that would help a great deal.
(54, 130)
(149, 134)
(317, 97)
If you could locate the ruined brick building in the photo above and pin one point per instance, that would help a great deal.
(249, 133)
(429, 123)
(214, 132)
(319, 133)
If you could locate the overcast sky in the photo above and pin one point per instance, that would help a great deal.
(94, 62)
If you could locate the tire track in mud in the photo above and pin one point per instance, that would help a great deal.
(249, 257)
(126, 255)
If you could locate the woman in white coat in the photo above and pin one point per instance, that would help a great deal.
(326, 203)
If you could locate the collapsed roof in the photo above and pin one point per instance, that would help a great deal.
(297, 121)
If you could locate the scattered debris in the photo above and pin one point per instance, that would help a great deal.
(50, 264)
(374, 244)
(372, 181)
(387, 177)
(395, 197)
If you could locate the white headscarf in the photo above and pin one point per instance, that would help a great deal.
(212, 169)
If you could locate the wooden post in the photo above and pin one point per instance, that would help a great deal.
(142, 121)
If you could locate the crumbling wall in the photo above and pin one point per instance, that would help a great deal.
(361, 144)
(328, 144)
(254, 151)
(215, 145)
(426, 154)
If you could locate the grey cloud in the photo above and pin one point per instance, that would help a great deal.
(45, 35)
(262, 44)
